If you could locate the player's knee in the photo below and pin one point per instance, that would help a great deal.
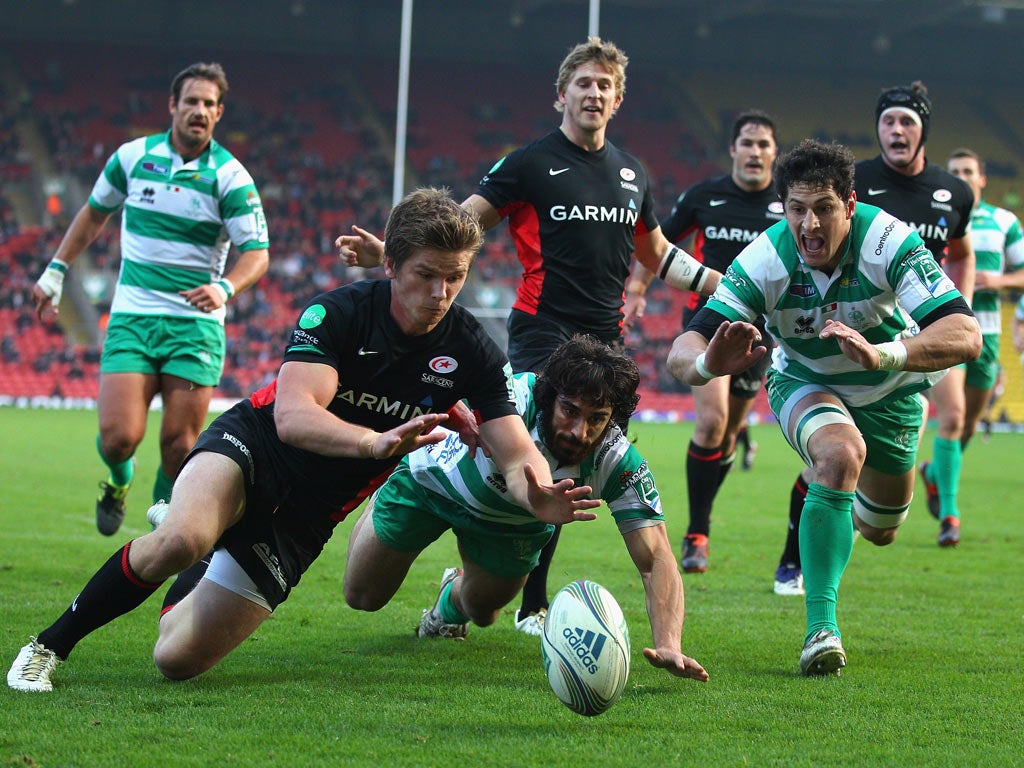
(118, 445)
(173, 663)
(362, 599)
(176, 550)
(837, 462)
(484, 617)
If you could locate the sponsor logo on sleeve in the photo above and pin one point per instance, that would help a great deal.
(313, 316)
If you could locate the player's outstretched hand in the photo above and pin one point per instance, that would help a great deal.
(731, 350)
(560, 503)
(853, 345)
(360, 249)
(676, 663)
(407, 437)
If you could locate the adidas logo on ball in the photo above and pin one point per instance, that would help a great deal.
(587, 645)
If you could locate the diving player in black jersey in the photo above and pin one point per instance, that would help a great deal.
(578, 209)
(370, 370)
(938, 205)
(723, 215)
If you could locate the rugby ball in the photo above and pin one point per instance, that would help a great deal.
(585, 647)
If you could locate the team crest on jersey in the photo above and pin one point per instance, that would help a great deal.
(627, 174)
(443, 364)
(776, 208)
(942, 195)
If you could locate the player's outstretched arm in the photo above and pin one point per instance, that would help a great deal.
(304, 390)
(528, 476)
(695, 361)
(652, 554)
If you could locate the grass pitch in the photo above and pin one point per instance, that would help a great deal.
(933, 638)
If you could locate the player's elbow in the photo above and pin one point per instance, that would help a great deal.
(973, 340)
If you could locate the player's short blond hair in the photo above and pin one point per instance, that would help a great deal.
(597, 51)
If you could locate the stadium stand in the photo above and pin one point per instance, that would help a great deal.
(317, 135)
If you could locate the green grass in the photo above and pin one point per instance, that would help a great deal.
(934, 639)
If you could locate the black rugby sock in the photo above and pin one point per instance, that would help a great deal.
(185, 583)
(113, 591)
(703, 468)
(791, 552)
(535, 591)
(724, 466)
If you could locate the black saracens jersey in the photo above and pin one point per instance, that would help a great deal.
(573, 215)
(723, 219)
(385, 378)
(934, 202)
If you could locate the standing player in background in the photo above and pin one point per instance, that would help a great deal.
(578, 208)
(572, 409)
(723, 215)
(839, 282)
(938, 205)
(999, 247)
(185, 200)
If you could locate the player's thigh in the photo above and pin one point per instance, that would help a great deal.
(123, 405)
(485, 591)
(814, 420)
(203, 628)
(947, 394)
(185, 406)
(373, 570)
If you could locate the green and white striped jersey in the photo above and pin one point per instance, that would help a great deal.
(178, 223)
(885, 274)
(999, 247)
(615, 470)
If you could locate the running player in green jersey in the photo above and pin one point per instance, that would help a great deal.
(999, 249)
(572, 409)
(184, 200)
(837, 283)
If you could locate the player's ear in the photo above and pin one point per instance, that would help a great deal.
(851, 204)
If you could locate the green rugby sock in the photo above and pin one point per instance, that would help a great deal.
(162, 486)
(447, 609)
(944, 471)
(121, 473)
(826, 543)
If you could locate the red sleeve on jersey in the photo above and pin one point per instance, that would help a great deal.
(524, 226)
(264, 396)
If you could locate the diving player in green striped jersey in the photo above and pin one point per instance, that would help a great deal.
(837, 283)
(184, 200)
(572, 409)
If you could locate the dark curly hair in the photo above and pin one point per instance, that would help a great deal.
(818, 165)
(590, 370)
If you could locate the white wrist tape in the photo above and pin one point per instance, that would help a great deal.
(680, 270)
(892, 355)
(702, 370)
(226, 288)
(51, 282)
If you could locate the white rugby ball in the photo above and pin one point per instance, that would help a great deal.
(585, 647)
